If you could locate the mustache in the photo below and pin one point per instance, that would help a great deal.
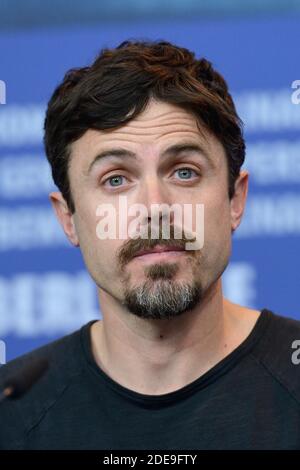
(133, 245)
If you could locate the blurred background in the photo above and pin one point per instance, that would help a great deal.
(45, 290)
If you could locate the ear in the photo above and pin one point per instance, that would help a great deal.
(64, 216)
(238, 201)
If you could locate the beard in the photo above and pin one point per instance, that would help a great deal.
(160, 296)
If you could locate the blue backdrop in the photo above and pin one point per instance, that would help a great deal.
(45, 290)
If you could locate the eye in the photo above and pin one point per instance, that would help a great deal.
(185, 173)
(114, 181)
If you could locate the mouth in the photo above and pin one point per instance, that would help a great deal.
(159, 253)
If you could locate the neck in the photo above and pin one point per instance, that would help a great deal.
(155, 357)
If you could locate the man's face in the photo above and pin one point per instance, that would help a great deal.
(157, 285)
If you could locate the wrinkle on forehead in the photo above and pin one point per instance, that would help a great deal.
(158, 119)
(158, 114)
(159, 124)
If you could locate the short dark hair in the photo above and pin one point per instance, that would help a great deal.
(117, 87)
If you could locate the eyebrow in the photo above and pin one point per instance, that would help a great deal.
(171, 151)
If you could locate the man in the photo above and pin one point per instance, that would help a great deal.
(172, 364)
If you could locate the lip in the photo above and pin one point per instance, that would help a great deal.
(159, 252)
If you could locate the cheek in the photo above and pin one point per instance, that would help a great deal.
(100, 255)
(86, 226)
(217, 222)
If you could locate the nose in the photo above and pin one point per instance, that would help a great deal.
(154, 196)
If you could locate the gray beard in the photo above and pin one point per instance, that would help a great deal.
(160, 297)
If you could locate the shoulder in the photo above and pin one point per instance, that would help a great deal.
(18, 416)
(278, 350)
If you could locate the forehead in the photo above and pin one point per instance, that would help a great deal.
(158, 126)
